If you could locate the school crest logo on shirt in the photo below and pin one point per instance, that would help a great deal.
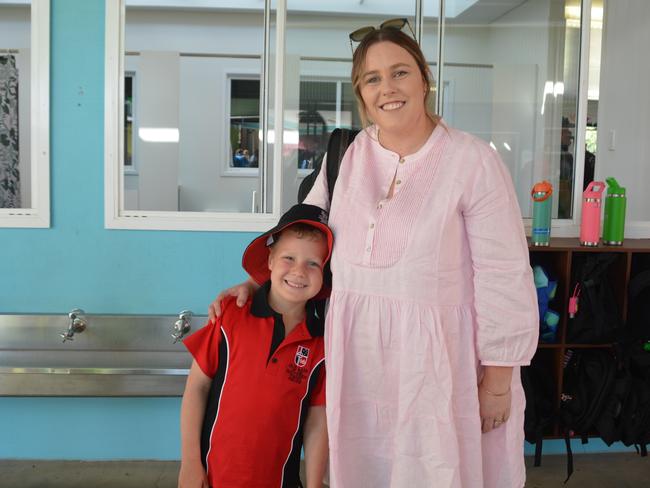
(302, 354)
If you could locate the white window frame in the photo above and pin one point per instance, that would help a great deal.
(38, 215)
(115, 216)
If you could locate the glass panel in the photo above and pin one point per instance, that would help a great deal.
(192, 106)
(429, 44)
(318, 92)
(624, 105)
(15, 106)
(593, 92)
(511, 78)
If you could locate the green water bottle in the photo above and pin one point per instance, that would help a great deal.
(614, 223)
(542, 208)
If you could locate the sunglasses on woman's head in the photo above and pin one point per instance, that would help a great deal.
(398, 24)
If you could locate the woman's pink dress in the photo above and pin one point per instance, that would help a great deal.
(427, 286)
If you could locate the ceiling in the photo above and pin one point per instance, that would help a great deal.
(465, 11)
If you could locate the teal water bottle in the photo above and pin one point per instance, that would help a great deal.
(542, 209)
(614, 224)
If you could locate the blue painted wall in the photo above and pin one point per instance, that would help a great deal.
(78, 263)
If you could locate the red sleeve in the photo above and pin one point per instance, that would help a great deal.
(204, 346)
(318, 396)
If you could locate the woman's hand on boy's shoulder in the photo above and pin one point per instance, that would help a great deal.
(241, 292)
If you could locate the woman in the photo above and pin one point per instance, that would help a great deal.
(433, 307)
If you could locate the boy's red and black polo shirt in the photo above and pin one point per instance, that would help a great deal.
(262, 387)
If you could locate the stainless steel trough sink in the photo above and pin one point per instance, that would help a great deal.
(115, 355)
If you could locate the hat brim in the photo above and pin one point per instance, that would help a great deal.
(256, 256)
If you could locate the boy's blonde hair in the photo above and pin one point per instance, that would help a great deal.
(301, 230)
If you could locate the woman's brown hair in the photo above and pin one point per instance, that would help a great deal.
(388, 34)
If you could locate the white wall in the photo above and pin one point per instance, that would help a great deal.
(624, 107)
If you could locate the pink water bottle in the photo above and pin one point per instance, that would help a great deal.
(591, 205)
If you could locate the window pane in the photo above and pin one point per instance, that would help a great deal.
(511, 78)
(195, 104)
(429, 44)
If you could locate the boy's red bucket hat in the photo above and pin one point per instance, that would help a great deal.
(256, 256)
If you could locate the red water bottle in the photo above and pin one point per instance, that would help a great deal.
(591, 208)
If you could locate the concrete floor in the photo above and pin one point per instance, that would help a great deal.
(591, 471)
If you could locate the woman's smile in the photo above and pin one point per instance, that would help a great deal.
(391, 106)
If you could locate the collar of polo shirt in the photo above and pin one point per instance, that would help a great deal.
(314, 310)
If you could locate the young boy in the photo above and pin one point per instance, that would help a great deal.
(256, 389)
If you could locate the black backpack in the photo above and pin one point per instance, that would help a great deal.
(636, 410)
(635, 413)
(338, 143)
(626, 413)
(638, 315)
(588, 380)
(598, 319)
(626, 416)
(589, 377)
(538, 385)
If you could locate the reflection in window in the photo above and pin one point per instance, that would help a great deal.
(324, 105)
(244, 122)
(590, 155)
(519, 90)
(191, 109)
(128, 120)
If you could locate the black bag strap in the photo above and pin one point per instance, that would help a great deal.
(569, 456)
(338, 143)
(538, 448)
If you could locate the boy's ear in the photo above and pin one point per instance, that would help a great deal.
(270, 260)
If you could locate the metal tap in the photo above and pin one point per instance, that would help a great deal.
(182, 325)
(77, 324)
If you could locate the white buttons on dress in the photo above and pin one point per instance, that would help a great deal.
(368, 249)
(372, 225)
(379, 205)
(398, 182)
(401, 160)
